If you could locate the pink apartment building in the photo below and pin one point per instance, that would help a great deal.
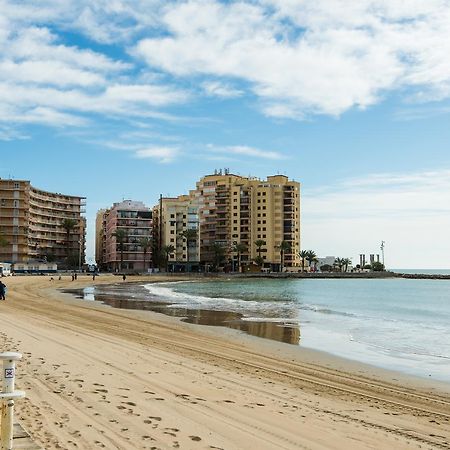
(132, 250)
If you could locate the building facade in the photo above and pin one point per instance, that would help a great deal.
(123, 237)
(173, 216)
(227, 210)
(37, 225)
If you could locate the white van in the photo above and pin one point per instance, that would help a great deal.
(5, 269)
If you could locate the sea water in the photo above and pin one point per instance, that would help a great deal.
(400, 324)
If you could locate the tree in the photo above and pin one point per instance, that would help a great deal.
(191, 236)
(311, 257)
(326, 268)
(346, 262)
(145, 242)
(303, 255)
(167, 250)
(378, 267)
(69, 225)
(120, 234)
(284, 247)
(259, 243)
(239, 248)
(219, 254)
(3, 241)
(339, 262)
(259, 260)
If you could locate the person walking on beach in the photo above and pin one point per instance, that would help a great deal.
(2, 291)
(124, 277)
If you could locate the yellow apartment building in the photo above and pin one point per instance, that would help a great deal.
(32, 225)
(232, 209)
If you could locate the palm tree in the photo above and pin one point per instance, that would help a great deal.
(68, 225)
(259, 243)
(219, 253)
(167, 250)
(239, 248)
(191, 236)
(346, 262)
(145, 242)
(284, 247)
(120, 234)
(339, 262)
(311, 256)
(303, 255)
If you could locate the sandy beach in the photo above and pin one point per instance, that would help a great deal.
(99, 377)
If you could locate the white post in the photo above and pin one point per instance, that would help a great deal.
(7, 396)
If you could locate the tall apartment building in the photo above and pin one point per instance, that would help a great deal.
(32, 224)
(233, 209)
(100, 238)
(134, 220)
(171, 218)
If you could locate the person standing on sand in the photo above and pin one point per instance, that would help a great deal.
(2, 291)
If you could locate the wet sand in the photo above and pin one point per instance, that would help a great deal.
(99, 377)
(117, 296)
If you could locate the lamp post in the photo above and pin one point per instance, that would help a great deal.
(79, 255)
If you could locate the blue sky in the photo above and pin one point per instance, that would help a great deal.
(123, 99)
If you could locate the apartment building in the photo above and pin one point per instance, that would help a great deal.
(120, 235)
(173, 216)
(100, 238)
(37, 225)
(231, 210)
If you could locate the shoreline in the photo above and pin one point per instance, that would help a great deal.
(282, 330)
(65, 340)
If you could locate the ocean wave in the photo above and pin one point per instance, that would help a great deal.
(161, 290)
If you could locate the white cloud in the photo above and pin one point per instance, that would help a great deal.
(162, 154)
(47, 72)
(303, 57)
(244, 150)
(219, 89)
(411, 212)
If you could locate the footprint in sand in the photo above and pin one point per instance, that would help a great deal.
(195, 438)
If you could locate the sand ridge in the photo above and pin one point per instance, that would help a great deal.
(98, 377)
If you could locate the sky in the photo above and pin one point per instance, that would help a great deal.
(117, 99)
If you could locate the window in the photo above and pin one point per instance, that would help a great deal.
(16, 185)
(172, 216)
(172, 231)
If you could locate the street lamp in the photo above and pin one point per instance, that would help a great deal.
(79, 255)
